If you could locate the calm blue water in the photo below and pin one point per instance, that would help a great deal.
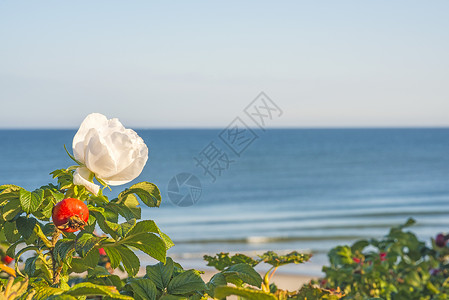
(290, 190)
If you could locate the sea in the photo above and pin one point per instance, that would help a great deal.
(278, 189)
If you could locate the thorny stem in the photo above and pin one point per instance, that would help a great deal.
(56, 270)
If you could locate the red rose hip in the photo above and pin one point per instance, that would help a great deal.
(7, 259)
(70, 215)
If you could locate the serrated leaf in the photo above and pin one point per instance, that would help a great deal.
(11, 209)
(173, 297)
(246, 273)
(30, 266)
(30, 201)
(11, 232)
(146, 191)
(85, 242)
(225, 291)
(114, 256)
(216, 280)
(222, 260)
(126, 212)
(44, 211)
(161, 273)
(143, 288)
(26, 226)
(277, 260)
(129, 259)
(58, 196)
(90, 261)
(45, 292)
(11, 251)
(150, 226)
(63, 248)
(62, 297)
(122, 229)
(186, 282)
(90, 289)
(101, 221)
(149, 243)
(8, 193)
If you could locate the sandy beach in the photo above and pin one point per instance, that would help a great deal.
(284, 281)
(290, 282)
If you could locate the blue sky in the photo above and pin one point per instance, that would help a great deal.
(199, 63)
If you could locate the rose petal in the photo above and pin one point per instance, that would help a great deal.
(132, 171)
(97, 156)
(94, 120)
(81, 177)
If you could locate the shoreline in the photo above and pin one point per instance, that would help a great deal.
(284, 281)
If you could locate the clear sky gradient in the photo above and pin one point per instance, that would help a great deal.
(199, 63)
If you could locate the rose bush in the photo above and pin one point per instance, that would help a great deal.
(107, 151)
(396, 267)
(68, 259)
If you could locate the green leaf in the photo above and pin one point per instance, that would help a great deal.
(161, 273)
(172, 297)
(26, 226)
(62, 297)
(186, 282)
(80, 265)
(122, 229)
(90, 289)
(114, 256)
(11, 251)
(359, 245)
(57, 195)
(216, 280)
(127, 212)
(146, 191)
(277, 260)
(143, 288)
(246, 273)
(63, 248)
(11, 209)
(45, 210)
(30, 266)
(225, 291)
(8, 193)
(11, 232)
(85, 242)
(129, 259)
(30, 201)
(45, 292)
(309, 291)
(222, 260)
(150, 226)
(149, 243)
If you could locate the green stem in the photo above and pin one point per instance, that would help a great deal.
(56, 270)
(44, 239)
(267, 278)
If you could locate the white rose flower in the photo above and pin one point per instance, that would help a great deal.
(107, 150)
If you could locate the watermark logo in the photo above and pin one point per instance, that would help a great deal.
(238, 136)
(219, 154)
(184, 189)
(261, 109)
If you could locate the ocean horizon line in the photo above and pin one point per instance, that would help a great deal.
(251, 127)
